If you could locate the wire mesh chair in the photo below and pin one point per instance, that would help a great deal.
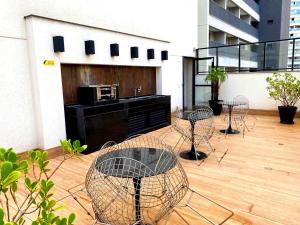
(204, 130)
(240, 113)
(135, 182)
(80, 188)
(183, 127)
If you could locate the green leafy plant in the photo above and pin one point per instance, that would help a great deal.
(32, 177)
(284, 88)
(216, 76)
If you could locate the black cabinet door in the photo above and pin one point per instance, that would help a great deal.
(100, 128)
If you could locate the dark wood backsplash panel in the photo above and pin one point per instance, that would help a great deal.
(129, 78)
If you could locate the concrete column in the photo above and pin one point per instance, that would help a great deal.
(203, 23)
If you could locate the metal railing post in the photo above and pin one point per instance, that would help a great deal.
(217, 57)
(239, 57)
(293, 54)
(264, 66)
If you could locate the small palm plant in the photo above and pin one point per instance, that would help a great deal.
(217, 76)
(32, 177)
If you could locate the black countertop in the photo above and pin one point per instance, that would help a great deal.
(123, 103)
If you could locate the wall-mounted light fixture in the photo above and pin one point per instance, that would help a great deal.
(134, 52)
(164, 55)
(150, 53)
(89, 47)
(114, 49)
(58, 44)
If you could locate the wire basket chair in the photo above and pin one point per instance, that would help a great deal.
(241, 113)
(204, 130)
(135, 182)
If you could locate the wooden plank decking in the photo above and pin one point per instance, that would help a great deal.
(259, 178)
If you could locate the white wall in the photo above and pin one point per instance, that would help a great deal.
(26, 121)
(253, 86)
(17, 114)
(47, 84)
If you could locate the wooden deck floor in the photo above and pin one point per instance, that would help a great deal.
(259, 178)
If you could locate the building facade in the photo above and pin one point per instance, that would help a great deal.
(230, 22)
(294, 32)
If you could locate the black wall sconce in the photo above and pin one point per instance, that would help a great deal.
(89, 47)
(58, 44)
(134, 52)
(114, 49)
(150, 53)
(164, 55)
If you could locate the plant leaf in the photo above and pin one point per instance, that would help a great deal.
(12, 177)
(6, 169)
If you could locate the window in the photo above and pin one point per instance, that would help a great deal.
(270, 21)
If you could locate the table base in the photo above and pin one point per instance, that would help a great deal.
(231, 131)
(192, 156)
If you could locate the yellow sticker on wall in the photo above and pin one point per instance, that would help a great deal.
(49, 62)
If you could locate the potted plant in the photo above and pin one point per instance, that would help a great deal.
(217, 76)
(286, 89)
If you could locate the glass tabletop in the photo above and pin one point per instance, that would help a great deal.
(232, 103)
(136, 162)
(184, 115)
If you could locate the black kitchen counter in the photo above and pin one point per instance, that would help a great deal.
(95, 125)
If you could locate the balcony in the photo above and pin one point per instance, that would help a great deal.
(253, 5)
(215, 44)
(226, 16)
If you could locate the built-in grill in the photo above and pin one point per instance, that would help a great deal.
(98, 94)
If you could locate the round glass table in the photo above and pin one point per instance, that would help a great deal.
(191, 154)
(230, 105)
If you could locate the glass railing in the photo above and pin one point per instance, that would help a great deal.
(259, 56)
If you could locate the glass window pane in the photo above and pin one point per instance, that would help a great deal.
(229, 58)
(202, 94)
(252, 57)
(200, 80)
(277, 55)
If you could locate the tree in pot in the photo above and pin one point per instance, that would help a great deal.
(285, 88)
(217, 76)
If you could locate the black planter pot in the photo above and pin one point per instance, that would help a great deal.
(215, 106)
(287, 114)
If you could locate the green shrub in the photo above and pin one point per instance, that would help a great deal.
(284, 88)
(38, 186)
